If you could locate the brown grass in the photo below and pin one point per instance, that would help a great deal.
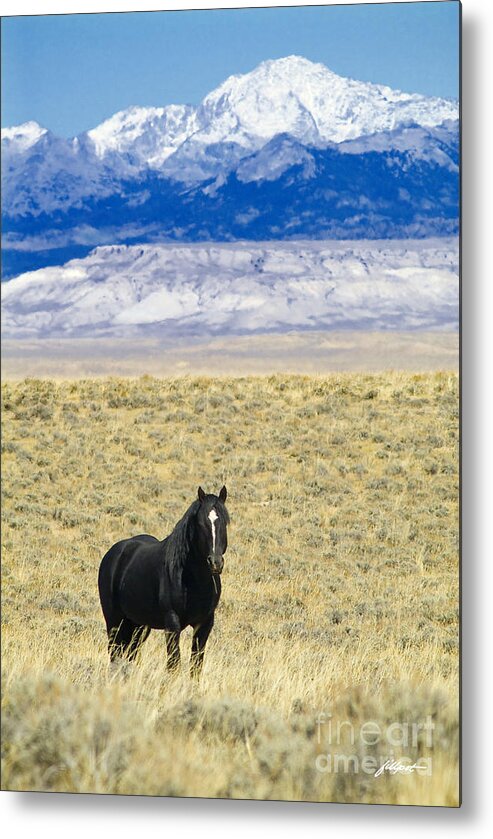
(340, 587)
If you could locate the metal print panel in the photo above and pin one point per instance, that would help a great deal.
(230, 325)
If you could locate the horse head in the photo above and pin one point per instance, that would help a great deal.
(212, 520)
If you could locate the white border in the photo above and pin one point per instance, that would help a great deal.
(28, 7)
(56, 816)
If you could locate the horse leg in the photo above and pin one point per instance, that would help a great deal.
(199, 640)
(120, 639)
(139, 635)
(173, 649)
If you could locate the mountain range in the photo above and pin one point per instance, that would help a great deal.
(288, 151)
(238, 288)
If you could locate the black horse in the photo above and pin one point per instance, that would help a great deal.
(146, 584)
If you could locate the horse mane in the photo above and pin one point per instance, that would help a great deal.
(180, 539)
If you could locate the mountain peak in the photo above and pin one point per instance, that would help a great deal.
(312, 103)
(150, 134)
(293, 63)
(22, 137)
(287, 95)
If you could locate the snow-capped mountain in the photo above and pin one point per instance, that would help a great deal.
(438, 145)
(20, 138)
(287, 96)
(52, 174)
(147, 136)
(289, 149)
(285, 190)
(239, 288)
(295, 96)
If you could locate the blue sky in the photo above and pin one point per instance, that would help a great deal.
(69, 72)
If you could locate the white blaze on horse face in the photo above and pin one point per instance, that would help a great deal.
(212, 518)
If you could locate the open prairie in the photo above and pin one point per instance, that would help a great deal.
(313, 353)
(340, 589)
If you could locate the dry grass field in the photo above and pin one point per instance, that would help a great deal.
(340, 588)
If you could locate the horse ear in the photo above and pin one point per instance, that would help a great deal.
(223, 494)
(201, 494)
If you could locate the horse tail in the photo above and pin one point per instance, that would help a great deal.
(109, 576)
